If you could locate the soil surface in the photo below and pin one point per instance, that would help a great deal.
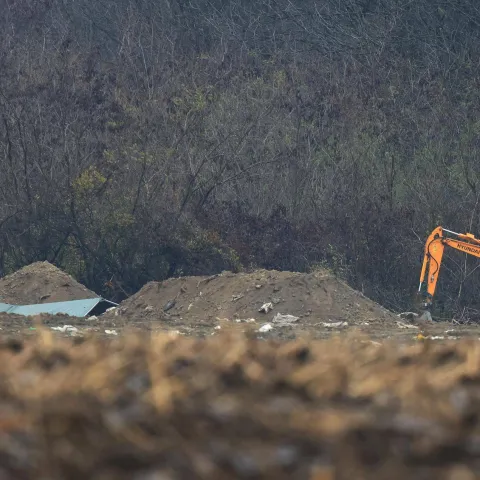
(324, 306)
(41, 282)
(313, 298)
(164, 407)
(321, 305)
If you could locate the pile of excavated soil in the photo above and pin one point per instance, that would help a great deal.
(316, 299)
(41, 282)
(230, 407)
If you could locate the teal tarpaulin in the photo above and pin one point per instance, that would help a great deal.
(74, 308)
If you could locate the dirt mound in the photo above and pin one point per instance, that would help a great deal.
(41, 282)
(316, 299)
(230, 407)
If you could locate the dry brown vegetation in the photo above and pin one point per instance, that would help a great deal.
(141, 140)
(232, 407)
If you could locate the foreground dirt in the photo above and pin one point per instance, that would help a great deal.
(41, 282)
(168, 407)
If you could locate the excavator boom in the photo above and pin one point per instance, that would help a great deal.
(433, 254)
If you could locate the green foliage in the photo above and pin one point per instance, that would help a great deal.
(89, 180)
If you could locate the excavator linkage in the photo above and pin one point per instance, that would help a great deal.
(433, 254)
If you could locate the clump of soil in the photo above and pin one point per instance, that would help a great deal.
(41, 282)
(315, 298)
(231, 407)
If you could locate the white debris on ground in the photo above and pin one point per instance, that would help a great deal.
(442, 337)
(284, 320)
(266, 307)
(335, 324)
(65, 329)
(111, 332)
(265, 328)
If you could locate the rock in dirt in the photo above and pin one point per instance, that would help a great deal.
(169, 305)
(41, 282)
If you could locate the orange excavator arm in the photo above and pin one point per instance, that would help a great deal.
(432, 259)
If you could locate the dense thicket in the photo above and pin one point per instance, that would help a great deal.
(143, 139)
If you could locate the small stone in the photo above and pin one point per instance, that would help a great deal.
(169, 305)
